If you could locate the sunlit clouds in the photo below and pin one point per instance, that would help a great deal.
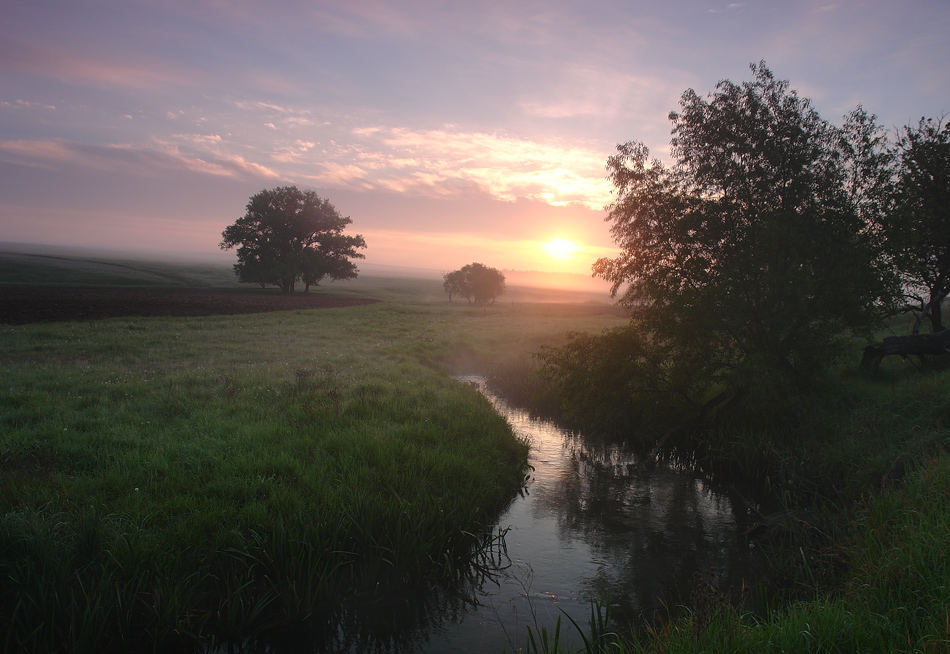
(507, 168)
(329, 151)
(456, 132)
(161, 158)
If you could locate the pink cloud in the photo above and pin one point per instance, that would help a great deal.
(72, 66)
(128, 158)
(442, 162)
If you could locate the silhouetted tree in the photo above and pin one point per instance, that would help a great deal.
(748, 260)
(475, 282)
(289, 235)
(918, 229)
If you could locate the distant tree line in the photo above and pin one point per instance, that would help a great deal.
(289, 236)
(475, 282)
(773, 238)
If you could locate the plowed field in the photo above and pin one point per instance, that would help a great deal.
(26, 304)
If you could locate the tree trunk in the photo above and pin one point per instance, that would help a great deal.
(935, 314)
(916, 344)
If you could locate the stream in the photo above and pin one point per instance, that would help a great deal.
(593, 521)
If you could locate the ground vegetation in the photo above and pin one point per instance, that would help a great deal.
(184, 483)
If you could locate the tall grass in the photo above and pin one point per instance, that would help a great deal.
(860, 474)
(896, 598)
(180, 482)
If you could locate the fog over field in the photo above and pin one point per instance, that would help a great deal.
(18, 261)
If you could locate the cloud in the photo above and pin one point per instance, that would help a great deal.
(596, 91)
(343, 151)
(277, 116)
(200, 139)
(131, 71)
(258, 105)
(26, 104)
(444, 161)
(292, 153)
(336, 174)
(730, 7)
(125, 158)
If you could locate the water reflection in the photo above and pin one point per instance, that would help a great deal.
(595, 521)
(592, 521)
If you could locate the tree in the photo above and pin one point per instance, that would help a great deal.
(475, 282)
(747, 260)
(289, 235)
(454, 283)
(918, 229)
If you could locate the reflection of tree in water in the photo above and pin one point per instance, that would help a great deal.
(653, 529)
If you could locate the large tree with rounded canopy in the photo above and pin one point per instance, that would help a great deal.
(288, 235)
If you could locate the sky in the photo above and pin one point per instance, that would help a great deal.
(449, 132)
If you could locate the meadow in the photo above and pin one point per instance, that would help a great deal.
(191, 482)
(187, 482)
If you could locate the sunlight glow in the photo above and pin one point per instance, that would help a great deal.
(560, 248)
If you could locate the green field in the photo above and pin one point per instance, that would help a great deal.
(177, 483)
(36, 265)
(168, 482)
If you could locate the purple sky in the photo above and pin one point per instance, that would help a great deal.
(449, 132)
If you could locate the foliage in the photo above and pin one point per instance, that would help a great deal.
(918, 229)
(289, 235)
(455, 283)
(475, 282)
(747, 259)
(600, 377)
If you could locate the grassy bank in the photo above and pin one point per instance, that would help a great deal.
(173, 482)
(859, 475)
(895, 599)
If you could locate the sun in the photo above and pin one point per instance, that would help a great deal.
(560, 248)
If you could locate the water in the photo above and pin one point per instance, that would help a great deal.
(593, 521)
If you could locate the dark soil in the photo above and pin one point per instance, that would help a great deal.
(26, 304)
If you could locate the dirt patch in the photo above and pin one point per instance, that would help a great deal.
(26, 304)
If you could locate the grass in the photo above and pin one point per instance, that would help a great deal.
(183, 483)
(862, 470)
(895, 599)
(175, 483)
(36, 265)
